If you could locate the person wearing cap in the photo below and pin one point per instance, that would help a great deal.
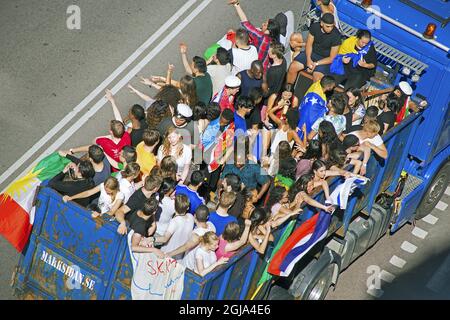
(181, 119)
(244, 106)
(404, 92)
(356, 60)
(270, 31)
(225, 97)
(322, 46)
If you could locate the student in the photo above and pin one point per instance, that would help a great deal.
(202, 226)
(151, 185)
(168, 168)
(180, 227)
(142, 222)
(203, 259)
(322, 46)
(276, 73)
(369, 138)
(232, 183)
(300, 194)
(220, 69)
(244, 107)
(167, 96)
(113, 143)
(220, 218)
(286, 128)
(96, 156)
(126, 180)
(198, 69)
(231, 240)
(180, 119)
(167, 204)
(354, 110)
(251, 78)
(173, 146)
(386, 119)
(191, 191)
(81, 179)
(327, 137)
(127, 155)
(110, 200)
(226, 96)
(296, 44)
(260, 229)
(371, 114)
(313, 153)
(145, 150)
(243, 54)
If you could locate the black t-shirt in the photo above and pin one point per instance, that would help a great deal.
(323, 42)
(136, 134)
(136, 202)
(71, 188)
(275, 77)
(254, 117)
(370, 57)
(386, 118)
(348, 121)
(238, 206)
(138, 224)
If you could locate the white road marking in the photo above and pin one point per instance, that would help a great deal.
(398, 262)
(447, 191)
(32, 150)
(441, 206)
(439, 281)
(86, 116)
(408, 247)
(430, 219)
(419, 233)
(386, 276)
(377, 293)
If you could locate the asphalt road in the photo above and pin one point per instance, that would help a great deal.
(46, 69)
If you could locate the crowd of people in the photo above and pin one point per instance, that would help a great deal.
(228, 153)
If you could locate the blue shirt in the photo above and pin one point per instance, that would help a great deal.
(251, 174)
(220, 222)
(240, 125)
(193, 196)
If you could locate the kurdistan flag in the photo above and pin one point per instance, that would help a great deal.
(16, 204)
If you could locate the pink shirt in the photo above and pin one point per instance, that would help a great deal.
(220, 252)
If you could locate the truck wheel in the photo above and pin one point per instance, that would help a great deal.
(434, 192)
(320, 286)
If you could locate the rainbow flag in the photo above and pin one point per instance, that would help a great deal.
(16, 203)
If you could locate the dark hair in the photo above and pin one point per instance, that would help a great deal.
(231, 232)
(357, 93)
(328, 132)
(200, 64)
(242, 35)
(199, 112)
(255, 94)
(244, 102)
(129, 154)
(287, 168)
(150, 137)
(150, 206)
(393, 104)
(157, 111)
(96, 153)
(292, 116)
(131, 170)
(372, 112)
(317, 165)
(202, 213)
(274, 29)
(223, 56)
(300, 185)
(167, 185)
(188, 90)
(258, 217)
(170, 95)
(277, 49)
(337, 103)
(337, 155)
(313, 151)
(327, 18)
(326, 2)
(138, 112)
(350, 140)
(86, 169)
(234, 181)
(197, 178)
(363, 33)
(275, 195)
(228, 114)
(284, 150)
(257, 64)
(213, 111)
(327, 81)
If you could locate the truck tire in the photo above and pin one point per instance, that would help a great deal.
(319, 288)
(434, 192)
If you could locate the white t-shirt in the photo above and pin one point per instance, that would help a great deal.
(127, 188)
(218, 74)
(105, 202)
(339, 123)
(201, 231)
(181, 229)
(190, 260)
(376, 141)
(361, 112)
(243, 58)
(184, 159)
(167, 211)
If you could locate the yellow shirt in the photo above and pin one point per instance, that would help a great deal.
(145, 159)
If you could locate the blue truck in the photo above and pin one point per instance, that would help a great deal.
(72, 256)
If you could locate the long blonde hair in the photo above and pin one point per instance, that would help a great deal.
(166, 143)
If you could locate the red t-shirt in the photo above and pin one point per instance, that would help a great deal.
(112, 149)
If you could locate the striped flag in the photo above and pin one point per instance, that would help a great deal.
(299, 243)
(16, 203)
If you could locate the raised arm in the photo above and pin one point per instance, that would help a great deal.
(110, 97)
(239, 10)
(242, 241)
(183, 51)
(139, 93)
(261, 248)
